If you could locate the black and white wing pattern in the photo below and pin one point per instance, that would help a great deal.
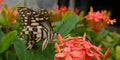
(36, 26)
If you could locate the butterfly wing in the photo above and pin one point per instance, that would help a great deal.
(31, 25)
(48, 29)
(27, 15)
(36, 26)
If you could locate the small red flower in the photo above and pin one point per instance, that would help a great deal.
(63, 9)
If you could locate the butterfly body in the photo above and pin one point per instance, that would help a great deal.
(36, 26)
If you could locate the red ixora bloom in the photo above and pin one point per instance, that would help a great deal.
(77, 48)
(99, 19)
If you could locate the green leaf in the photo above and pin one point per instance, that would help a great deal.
(67, 14)
(109, 39)
(1, 57)
(3, 21)
(29, 55)
(11, 55)
(1, 35)
(67, 25)
(81, 15)
(47, 54)
(118, 53)
(7, 40)
(20, 49)
(103, 33)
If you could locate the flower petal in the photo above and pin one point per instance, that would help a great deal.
(67, 49)
(68, 57)
(75, 53)
(60, 55)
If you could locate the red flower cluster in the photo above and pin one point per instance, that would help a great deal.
(98, 20)
(59, 11)
(76, 48)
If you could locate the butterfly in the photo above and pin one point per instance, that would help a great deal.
(36, 26)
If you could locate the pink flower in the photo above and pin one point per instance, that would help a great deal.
(77, 48)
(98, 20)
